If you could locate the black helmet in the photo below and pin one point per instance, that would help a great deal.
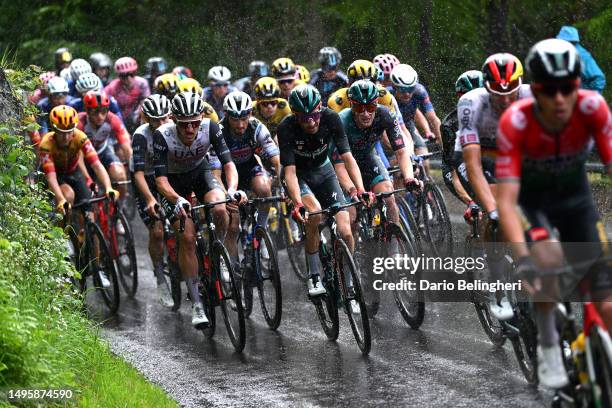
(329, 57)
(258, 69)
(156, 65)
(100, 60)
(62, 56)
(553, 59)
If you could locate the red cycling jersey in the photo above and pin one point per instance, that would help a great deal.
(111, 127)
(546, 160)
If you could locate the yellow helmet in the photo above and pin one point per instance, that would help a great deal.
(266, 88)
(361, 69)
(302, 73)
(64, 118)
(283, 66)
(299, 82)
(166, 84)
(190, 85)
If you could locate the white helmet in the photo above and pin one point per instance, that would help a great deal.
(156, 106)
(404, 75)
(187, 104)
(57, 85)
(65, 73)
(88, 82)
(79, 67)
(237, 104)
(219, 74)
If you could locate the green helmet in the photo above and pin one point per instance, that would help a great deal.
(469, 80)
(304, 99)
(363, 92)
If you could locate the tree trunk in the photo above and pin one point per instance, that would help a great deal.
(497, 21)
(425, 41)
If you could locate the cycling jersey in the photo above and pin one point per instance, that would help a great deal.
(448, 131)
(55, 159)
(142, 147)
(551, 162)
(273, 121)
(328, 86)
(128, 99)
(217, 105)
(78, 104)
(339, 101)
(255, 140)
(419, 100)
(172, 156)
(308, 152)
(44, 107)
(112, 128)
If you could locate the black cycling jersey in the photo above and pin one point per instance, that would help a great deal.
(142, 146)
(327, 87)
(448, 130)
(306, 151)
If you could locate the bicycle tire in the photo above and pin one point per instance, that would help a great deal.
(173, 275)
(273, 314)
(111, 300)
(344, 259)
(208, 295)
(525, 343)
(230, 292)
(442, 232)
(602, 367)
(410, 224)
(295, 250)
(493, 331)
(129, 281)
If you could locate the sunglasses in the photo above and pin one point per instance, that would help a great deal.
(285, 81)
(219, 85)
(360, 108)
(504, 88)
(187, 124)
(551, 89)
(96, 111)
(243, 114)
(123, 76)
(305, 118)
(267, 104)
(405, 89)
(59, 95)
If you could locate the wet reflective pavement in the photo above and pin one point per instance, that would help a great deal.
(448, 362)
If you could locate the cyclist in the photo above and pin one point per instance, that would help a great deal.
(42, 90)
(247, 138)
(283, 70)
(129, 90)
(62, 59)
(78, 67)
(269, 107)
(448, 131)
(328, 79)
(543, 144)
(182, 72)
(154, 67)
(102, 128)
(306, 139)
(181, 169)
(167, 85)
(156, 110)
(219, 79)
(91, 82)
(478, 113)
(386, 63)
(58, 95)
(257, 69)
(191, 85)
(101, 65)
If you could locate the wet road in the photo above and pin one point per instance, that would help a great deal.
(448, 362)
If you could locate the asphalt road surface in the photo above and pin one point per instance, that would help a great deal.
(449, 361)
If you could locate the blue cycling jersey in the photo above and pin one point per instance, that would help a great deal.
(420, 100)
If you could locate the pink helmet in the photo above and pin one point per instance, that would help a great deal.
(45, 77)
(126, 65)
(386, 62)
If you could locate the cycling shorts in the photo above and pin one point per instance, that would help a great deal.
(109, 157)
(418, 141)
(247, 172)
(373, 171)
(323, 183)
(76, 180)
(488, 168)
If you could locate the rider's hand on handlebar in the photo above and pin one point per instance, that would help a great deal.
(297, 211)
(526, 270)
(62, 205)
(467, 214)
(151, 208)
(181, 207)
(112, 194)
(413, 183)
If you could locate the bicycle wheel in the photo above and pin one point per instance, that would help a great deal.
(350, 287)
(524, 342)
(601, 360)
(409, 302)
(295, 248)
(409, 224)
(127, 265)
(173, 276)
(100, 261)
(269, 286)
(231, 302)
(437, 222)
(491, 326)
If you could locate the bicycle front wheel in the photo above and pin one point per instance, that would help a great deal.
(525, 342)
(127, 265)
(101, 265)
(437, 222)
(295, 241)
(268, 281)
(231, 301)
(352, 297)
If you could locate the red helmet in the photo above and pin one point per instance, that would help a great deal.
(126, 65)
(96, 99)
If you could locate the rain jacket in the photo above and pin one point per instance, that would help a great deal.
(592, 76)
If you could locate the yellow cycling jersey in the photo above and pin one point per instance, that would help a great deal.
(209, 113)
(272, 122)
(339, 99)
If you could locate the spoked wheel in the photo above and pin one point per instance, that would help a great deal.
(269, 286)
(525, 343)
(100, 262)
(173, 278)
(327, 311)
(409, 302)
(231, 301)
(129, 204)
(352, 297)
(437, 222)
(75, 258)
(409, 223)
(208, 300)
(127, 265)
(295, 247)
(491, 326)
